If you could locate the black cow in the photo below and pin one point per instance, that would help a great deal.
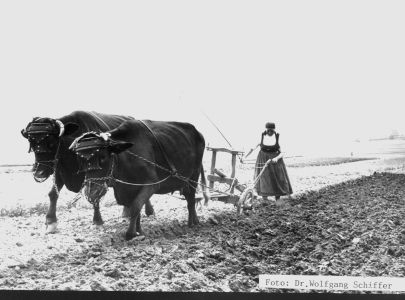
(142, 158)
(50, 140)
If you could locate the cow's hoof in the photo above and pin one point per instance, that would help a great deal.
(98, 226)
(149, 212)
(134, 236)
(129, 236)
(98, 222)
(193, 222)
(152, 216)
(139, 238)
(51, 228)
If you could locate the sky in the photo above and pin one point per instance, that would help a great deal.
(326, 72)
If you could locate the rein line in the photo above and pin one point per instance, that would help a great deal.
(172, 173)
(110, 177)
(162, 149)
(177, 175)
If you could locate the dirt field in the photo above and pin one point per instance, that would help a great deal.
(343, 219)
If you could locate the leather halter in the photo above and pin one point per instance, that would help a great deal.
(39, 131)
(88, 160)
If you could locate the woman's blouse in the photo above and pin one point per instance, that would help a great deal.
(270, 148)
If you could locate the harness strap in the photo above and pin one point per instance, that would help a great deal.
(101, 120)
(110, 179)
(172, 167)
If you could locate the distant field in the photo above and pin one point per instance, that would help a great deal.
(326, 161)
(300, 162)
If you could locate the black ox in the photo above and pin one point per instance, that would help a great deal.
(142, 158)
(50, 140)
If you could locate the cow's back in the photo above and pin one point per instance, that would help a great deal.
(156, 147)
(94, 121)
(182, 143)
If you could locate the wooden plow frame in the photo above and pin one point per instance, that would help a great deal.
(243, 201)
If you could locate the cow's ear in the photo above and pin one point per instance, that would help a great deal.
(24, 133)
(70, 128)
(120, 146)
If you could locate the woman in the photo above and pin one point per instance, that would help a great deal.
(274, 180)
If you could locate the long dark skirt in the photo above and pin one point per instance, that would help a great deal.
(274, 181)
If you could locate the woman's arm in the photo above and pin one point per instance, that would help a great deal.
(253, 149)
(250, 151)
(280, 155)
(275, 159)
(261, 141)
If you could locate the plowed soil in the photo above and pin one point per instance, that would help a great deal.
(345, 219)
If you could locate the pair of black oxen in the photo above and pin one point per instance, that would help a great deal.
(137, 158)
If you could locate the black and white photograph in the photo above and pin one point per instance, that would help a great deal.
(203, 146)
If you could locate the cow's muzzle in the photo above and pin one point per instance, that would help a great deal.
(94, 190)
(41, 172)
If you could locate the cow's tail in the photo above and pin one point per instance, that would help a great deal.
(204, 186)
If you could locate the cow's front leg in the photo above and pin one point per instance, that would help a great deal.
(134, 228)
(149, 211)
(51, 220)
(97, 219)
(126, 213)
(192, 214)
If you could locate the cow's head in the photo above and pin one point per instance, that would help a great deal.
(44, 135)
(96, 158)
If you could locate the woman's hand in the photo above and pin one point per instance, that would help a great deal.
(277, 158)
(250, 151)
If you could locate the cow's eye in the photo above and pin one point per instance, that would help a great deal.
(36, 143)
(51, 141)
(103, 158)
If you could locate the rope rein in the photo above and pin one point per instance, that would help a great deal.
(172, 171)
(110, 177)
(177, 175)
